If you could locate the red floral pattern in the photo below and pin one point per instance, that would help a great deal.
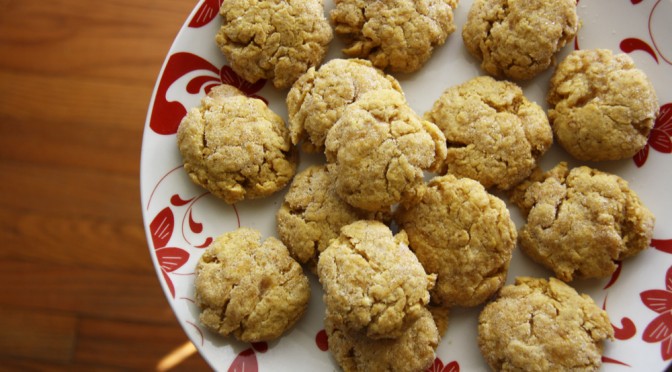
(169, 258)
(205, 13)
(439, 367)
(660, 328)
(659, 139)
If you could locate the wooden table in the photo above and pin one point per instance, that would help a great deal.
(78, 288)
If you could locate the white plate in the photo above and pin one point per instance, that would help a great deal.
(181, 218)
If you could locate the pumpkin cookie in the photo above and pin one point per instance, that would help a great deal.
(581, 221)
(519, 39)
(601, 106)
(236, 147)
(540, 325)
(495, 135)
(396, 35)
(312, 214)
(319, 97)
(413, 350)
(372, 281)
(378, 150)
(464, 235)
(251, 290)
(278, 40)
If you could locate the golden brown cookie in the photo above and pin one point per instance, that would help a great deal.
(250, 290)
(236, 147)
(312, 214)
(319, 97)
(601, 106)
(413, 351)
(378, 150)
(581, 221)
(397, 35)
(372, 281)
(519, 39)
(540, 325)
(464, 235)
(278, 40)
(495, 135)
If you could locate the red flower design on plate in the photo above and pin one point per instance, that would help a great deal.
(662, 245)
(660, 328)
(246, 361)
(166, 115)
(170, 258)
(206, 13)
(659, 139)
(439, 367)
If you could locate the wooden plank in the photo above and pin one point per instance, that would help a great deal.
(85, 292)
(128, 345)
(39, 335)
(70, 241)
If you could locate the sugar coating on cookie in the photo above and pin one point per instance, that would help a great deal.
(519, 39)
(275, 40)
(464, 235)
(372, 281)
(378, 150)
(312, 214)
(396, 35)
(542, 325)
(495, 134)
(601, 106)
(413, 350)
(318, 98)
(236, 147)
(580, 222)
(254, 291)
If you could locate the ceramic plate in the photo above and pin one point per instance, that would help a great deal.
(181, 219)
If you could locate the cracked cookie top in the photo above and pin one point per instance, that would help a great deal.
(312, 214)
(378, 150)
(580, 222)
(396, 35)
(318, 98)
(540, 325)
(601, 106)
(464, 235)
(372, 281)
(254, 291)
(495, 135)
(518, 39)
(235, 146)
(272, 39)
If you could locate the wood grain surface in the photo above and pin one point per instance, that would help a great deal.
(78, 290)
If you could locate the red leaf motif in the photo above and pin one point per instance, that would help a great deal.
(613, 361)
(166, 116)
(322, 340)
(261, 346)
(196, 227)
(162, 227)
(635, 2)
(632, 44)
(228, 76)
(662, 245)
(657, 300)
(438, 366)
(641, 156)
(171, 259)
(615, 275)
(659, 329)
(206, 13)
(206, 243)
(246, 361)
(452, 367)
(666, 349)
(626, 331)
(177, 201)
(668, 279)
(195, 85)
(664, 119)
(661, 142)
(169, 283)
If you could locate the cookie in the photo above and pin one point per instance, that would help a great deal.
(254, 291)
(395, 35)
(312, 214)
(319, 97)
(495, 135)
(236, 147)
(413, 350)
(580, 222)
(601, 106)
(464, 235)
(378, 150)
(372, 281)
(518, 39)
(540, 325)
(275, 40)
